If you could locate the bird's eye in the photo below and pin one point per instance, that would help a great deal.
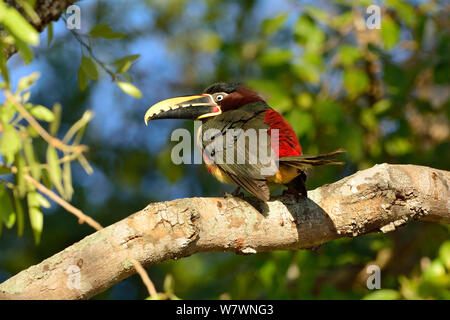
(219, 97)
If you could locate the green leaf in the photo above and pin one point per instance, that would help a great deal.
(328, 112)
(208, 41)
(444, 254)
(105, 31)
(82, 79)
(43, 201)
(7, 112)
(36, 215)
(27, 81)
(348, 55)
(54, 126)
(356, 82)
(168, 284)
(381, 106)
(54, 169)
(130, 89)
(383, 294)
(317, 14)
(390, 32)
(7, 214)
(301, 121)
(19, 213)
(309, 34)
(275, 94)
(124, 63)
(89, 68)
(10, 143)
(3, 68)
(275, 57)
(271, 25)
(67, 179)
(307, 72)
(4, 170)
(435, 272)
(304, 100)
(85, 164)
(20, 178)
(49, 33)
(25, 51)
(398, 146)
(405, 11)
(31, 159)
(42, 113)
(19, 26)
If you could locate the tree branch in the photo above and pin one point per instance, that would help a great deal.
(381, 198)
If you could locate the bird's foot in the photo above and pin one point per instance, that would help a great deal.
(235, 193)
(294, 193)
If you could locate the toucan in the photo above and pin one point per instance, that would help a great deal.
(255, 165)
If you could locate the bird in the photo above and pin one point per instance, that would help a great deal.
(274, 158)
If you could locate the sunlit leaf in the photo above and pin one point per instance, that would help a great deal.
(10, 143)
(82, 79)
(383, 294)
(89, 68)
(42, 201)
(20, 175)
(271, 25)
(25, 51)
(36, 215)
(301, 121)
(7, 213)
(398, 146)
(105, 31)
(54, 126)
(381, 106)
(19, 26)
(54, 169)
(19, 213)
(67, 180)
(275, 57)
(348, 55)
(42, 113)
(130, 89)
(444, 254)
(124, 63)
(3, 68)
(356, 82)
(49, 33)
(390, 32)
(27, 81)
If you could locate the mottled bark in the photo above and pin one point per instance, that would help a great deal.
(381, 198)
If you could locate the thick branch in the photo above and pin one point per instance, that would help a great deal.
(381, 198)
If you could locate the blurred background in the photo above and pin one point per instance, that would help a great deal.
(382, 94)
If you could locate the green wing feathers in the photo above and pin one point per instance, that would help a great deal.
(303, 161)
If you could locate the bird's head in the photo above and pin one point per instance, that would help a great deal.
(215, 100)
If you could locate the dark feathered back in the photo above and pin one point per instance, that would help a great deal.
(227, 87)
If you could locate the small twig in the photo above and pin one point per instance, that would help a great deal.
(91, 53)
(41, 131)
(63, 203)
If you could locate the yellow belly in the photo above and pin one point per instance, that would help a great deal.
(284, 175)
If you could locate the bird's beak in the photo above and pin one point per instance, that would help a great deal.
(189, 107)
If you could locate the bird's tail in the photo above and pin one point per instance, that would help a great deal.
(303, 161)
